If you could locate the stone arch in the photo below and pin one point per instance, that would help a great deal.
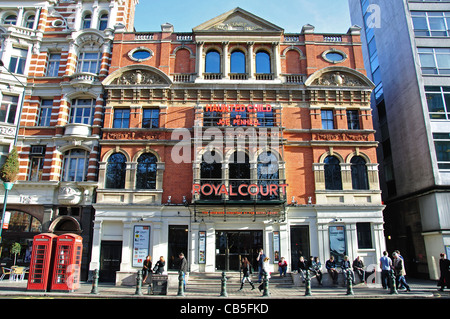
(65, 224)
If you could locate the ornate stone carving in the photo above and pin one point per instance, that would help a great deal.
(340, 137)
(337, 79)
(139, 77)
(131, 136)
(69, 195)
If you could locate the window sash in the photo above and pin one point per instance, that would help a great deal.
(89, 62)
(75, 166)
(53, 65)
(327, 119)
(150, 118)
(8, 109)
(121, 118)
(45, 113)
(82, 111)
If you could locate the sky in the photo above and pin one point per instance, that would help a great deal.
(327, 16)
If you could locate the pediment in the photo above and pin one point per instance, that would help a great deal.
(237, 20)
(336, 76)
(136, 75)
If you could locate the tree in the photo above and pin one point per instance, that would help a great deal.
(15, 249)
(10, 169)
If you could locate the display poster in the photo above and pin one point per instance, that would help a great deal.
(6, 220)
(276, 246)
(201, 247)
(447, 251)
(141, 244)
(337, 243)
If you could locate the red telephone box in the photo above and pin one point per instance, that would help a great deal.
(67, 263)
(41, 262)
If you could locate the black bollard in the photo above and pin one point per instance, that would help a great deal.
(180, 284)
(94, 290)
(223, 287)
(349, 283)
(307, 284)
(266, 286)
(392, 280)
(139, 283)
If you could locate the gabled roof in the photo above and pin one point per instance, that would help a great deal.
(237, 20)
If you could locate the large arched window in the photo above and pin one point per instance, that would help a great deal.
(239, 172)
(210, 173)
(359, 173)
(146, 171)
(237, 62)
(75, 166)
(263, 62)
(212, 62)
(23, 222)
(267, 174)
(115, 171)
(332, 170)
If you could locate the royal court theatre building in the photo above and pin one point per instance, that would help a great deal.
(234, 137)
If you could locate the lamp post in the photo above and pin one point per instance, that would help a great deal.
(8, 185)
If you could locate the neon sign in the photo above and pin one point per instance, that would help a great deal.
(238, 108)
(243, 189)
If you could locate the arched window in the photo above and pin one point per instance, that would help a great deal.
(29, 22)
(87, 19)
(23, 222)
(239, 172)
(146, 171)
(75, 166)
(212, 62)
(359, 173)
(267, 174)
(103, 22)
(210, 172)
(115, 171)
(11, 19)
(263, 62)
(333, 178)
(237, 62)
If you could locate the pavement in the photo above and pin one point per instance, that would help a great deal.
(420, 289)
(204, 300)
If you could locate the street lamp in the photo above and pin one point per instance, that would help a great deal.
(8, 185)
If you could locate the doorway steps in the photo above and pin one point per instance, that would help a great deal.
(200, 281)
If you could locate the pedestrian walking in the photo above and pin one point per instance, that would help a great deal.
(260, 260)
(330, 265)
(182, 266)
(282, 267)
(159, 266)
(265, 271)
(444, 267)
(146, 267)
(302, 267)
(247, 271)
(347, 270)
(358, 267)
(316, 269)
(399, 270)
(385, 265)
